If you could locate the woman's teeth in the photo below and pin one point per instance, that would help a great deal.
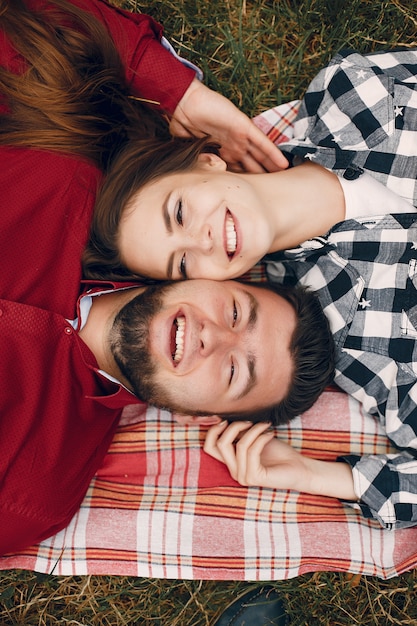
(230, 235)
(179, 339)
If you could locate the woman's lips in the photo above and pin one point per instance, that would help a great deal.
(177, 339)
(231, 236)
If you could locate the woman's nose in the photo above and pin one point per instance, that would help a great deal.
(203, 240)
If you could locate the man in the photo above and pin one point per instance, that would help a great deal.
(206, 350)
(365, 275)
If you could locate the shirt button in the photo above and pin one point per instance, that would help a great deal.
(352, 173)
(68, 330)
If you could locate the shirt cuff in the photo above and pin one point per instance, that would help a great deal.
(162, 79)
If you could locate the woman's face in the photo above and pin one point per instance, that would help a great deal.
(202, 223)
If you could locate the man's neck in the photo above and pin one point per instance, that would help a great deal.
(95, 332)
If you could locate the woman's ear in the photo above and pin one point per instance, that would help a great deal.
(198, 420)
(211, 161)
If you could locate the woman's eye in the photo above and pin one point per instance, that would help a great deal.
(232, 371)
(183, 267)
(234, 313)
(178, 213)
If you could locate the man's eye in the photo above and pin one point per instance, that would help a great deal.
(232, 371)
(178, 213)
(183, 267)
(234, 313)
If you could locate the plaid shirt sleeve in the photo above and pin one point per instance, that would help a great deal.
(385, 484)
(360, 114)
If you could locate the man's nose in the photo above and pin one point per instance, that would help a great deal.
(214, 337)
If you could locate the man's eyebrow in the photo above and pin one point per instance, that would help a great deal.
(252, 319)
(251, 378)
(253, 310)
(168, 226)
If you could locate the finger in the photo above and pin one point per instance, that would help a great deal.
(265, 151)
(270, 158)
(233, 432)
(251, 165)
(212, 436)
(243, 447)
(249, 437)
(226, 445)
(255, 471)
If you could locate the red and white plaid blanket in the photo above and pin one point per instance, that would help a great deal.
(160, 507)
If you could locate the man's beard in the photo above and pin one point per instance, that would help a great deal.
(129, 343)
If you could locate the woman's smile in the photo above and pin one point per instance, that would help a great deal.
(231, 235)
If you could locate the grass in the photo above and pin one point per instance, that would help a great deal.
(30, 599)
(258, 53)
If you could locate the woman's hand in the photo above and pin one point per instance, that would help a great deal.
(202, 111)
(255, 457)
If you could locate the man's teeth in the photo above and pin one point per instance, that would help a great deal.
(230, 235)
(179, 339)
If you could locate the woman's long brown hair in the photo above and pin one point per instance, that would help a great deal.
(71, 95)
(138, 164)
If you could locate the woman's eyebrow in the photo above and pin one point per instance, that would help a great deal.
(166, 216)
(168, 225)
(170, 265)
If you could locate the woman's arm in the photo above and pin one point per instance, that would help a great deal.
(155, 75)
(255, 457)
(244, 147)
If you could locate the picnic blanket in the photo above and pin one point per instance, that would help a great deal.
(160, 507)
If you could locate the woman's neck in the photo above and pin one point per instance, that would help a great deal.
(301, 203)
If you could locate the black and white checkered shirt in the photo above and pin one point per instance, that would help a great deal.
(360, 114)
(365, 274)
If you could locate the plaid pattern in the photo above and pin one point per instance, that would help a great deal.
(364, 273)
(360, 113)
(160, 507)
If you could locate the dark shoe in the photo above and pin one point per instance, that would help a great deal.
(261, 606)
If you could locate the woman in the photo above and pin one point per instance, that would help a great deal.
(65, 109)
(355, 155)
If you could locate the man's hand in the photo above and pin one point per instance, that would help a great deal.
(244, 147)
(255, 457)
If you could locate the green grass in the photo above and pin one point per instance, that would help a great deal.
(261, 53)
(257, 53)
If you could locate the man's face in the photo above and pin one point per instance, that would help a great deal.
(217, 347)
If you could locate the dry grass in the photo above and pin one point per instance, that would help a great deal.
(258, 53)
(320, 599)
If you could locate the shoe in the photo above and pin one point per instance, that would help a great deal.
(261, 606)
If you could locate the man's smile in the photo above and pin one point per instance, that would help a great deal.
(177, 339)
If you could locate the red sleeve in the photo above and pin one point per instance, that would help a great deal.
(152, 71)
(19, 531)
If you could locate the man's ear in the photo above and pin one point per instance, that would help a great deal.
(199, 420)
(212, 161)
